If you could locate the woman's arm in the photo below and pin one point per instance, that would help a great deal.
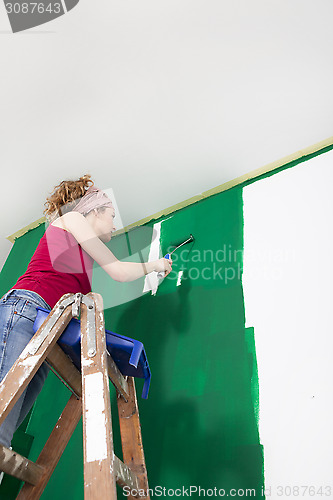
(118, 270)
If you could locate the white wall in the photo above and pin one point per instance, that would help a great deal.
(288, 279)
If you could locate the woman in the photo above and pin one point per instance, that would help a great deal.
(81, 220)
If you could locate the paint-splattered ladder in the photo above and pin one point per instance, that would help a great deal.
(90, 398)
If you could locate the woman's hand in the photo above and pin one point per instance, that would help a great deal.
(163, 265)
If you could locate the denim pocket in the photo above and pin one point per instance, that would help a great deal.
(7, 316)
(24, 309)
(14, 311)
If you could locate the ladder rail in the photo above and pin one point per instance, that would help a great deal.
(96, 408)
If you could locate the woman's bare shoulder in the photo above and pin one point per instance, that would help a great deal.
(67, 221)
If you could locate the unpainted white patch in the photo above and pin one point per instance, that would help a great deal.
(152, 281)
(179, 279)
(96, 435)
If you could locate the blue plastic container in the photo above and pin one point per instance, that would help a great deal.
(128, 354)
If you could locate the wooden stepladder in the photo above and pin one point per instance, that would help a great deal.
(90, 399)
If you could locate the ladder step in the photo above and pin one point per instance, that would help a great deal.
(15, 465)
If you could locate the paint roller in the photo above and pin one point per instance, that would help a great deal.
(177, 245)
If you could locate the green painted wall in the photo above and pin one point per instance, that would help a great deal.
(200, 422)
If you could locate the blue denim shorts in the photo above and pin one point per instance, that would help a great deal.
(17, 315)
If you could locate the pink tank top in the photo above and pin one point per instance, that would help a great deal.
(58, 266)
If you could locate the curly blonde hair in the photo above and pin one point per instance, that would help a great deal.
(64, 196)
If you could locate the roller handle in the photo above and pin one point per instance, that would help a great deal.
(161, 275)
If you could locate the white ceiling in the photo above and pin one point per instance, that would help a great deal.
(159, 101)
